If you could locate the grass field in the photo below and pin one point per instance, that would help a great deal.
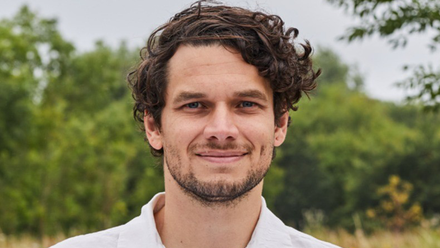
(416, 238)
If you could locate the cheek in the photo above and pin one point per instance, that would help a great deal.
(260, 133)
(180, 132)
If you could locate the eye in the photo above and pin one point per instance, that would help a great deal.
(247, 104)
(193, 105)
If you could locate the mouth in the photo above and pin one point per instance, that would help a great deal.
(221, 156)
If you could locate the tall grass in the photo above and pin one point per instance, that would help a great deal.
(416, 238)
(27, 241)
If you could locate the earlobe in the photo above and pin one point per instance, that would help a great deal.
(281, 129)
(152, 131)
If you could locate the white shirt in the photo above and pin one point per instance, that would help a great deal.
(141, 232)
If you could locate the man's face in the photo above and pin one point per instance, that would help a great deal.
(218, 130)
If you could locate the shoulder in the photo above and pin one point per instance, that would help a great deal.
(272, 232)
(300, 239)
(102, 239)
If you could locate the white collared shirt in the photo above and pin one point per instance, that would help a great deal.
(141, 232)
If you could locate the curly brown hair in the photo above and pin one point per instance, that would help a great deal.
(260, 38)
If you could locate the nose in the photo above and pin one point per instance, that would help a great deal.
(221, 125)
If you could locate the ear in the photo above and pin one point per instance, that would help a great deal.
(152, 131)
(281, 129)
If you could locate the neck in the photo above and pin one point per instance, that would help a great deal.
(186, 222)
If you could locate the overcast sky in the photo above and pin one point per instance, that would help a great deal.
(85, 21)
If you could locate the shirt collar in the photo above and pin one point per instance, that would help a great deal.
(141, 232)
(269, 231)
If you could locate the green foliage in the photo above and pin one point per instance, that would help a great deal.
(342, 147)
(335, 70)
(68, 144)
(396, 21)
(426, 80)
(72, 160)
(32, 53)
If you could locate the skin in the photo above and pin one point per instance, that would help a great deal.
(218, 132)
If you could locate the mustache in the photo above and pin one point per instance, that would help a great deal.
(217, 146)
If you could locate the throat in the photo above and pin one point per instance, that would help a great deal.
(187, 223)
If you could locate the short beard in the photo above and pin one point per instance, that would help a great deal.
(217, 193)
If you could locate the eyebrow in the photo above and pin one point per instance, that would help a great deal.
(187, 95)
(251, 94)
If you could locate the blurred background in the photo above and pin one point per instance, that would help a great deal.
(360, 166)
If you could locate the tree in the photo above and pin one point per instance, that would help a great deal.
(69, 145)
(343, 146)
(68, 142)
(32, 53)
(396, 21)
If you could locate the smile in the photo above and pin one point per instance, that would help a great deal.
(222, 156)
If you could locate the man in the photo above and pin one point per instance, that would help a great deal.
(213, 92)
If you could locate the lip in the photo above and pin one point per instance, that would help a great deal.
(219, 156)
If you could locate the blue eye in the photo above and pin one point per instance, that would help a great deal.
(193, 105)
(247, 104)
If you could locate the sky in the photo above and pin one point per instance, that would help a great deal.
(83, 22)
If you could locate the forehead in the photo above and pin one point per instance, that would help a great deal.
(211, 69)
(198, 59)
